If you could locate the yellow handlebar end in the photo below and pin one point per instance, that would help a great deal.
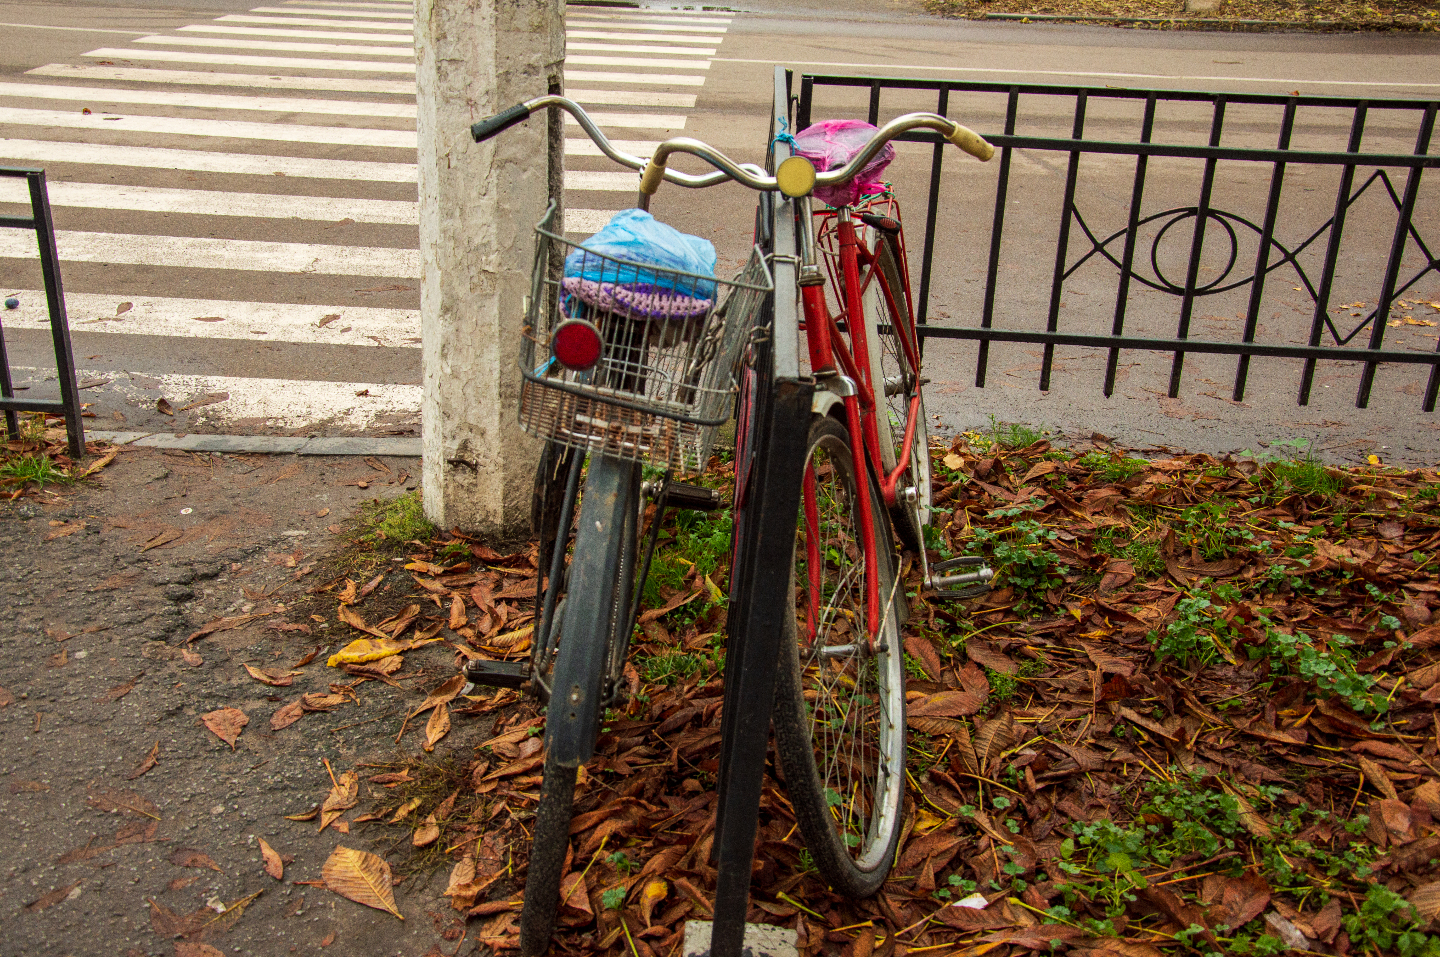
(651, 179)
(795, 177)
(972, 143)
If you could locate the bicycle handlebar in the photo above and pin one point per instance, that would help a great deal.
(747, 174)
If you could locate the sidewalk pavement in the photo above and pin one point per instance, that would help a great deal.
(103, 588)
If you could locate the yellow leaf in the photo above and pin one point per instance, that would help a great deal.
(654, 892)
(715, 593)
(1373, 459)
(362, 650)
(404, 810)
(362, 877)
(953, 462)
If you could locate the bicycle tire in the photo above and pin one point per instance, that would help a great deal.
(852, 842)
(549, 843)
(609, 501)
(900, 383)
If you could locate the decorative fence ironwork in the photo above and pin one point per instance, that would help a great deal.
(1389, 178)
(69, 402)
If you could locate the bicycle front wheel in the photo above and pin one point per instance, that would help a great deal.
(840, 698)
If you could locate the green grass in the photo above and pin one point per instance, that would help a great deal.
(672, 667)
(1014, 435)
(387, 524)
(1112, 466)
(1292, 469)
(33, 468)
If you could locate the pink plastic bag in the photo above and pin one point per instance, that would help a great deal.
(830, 144)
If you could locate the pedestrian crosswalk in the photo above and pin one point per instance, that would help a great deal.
(168, 156)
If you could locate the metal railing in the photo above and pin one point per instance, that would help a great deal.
(69, 402)
(1319, 246)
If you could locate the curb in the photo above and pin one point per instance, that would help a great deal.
(263, 444)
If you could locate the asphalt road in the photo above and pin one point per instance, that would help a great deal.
(237, 202)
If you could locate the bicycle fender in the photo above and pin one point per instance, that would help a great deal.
(823, 401)
(572, 719)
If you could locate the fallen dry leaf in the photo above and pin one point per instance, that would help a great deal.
(147, 764)
(125, 802)
(226, 724)
(51, 899)
(189, 857)
(273, 865)
(362, 877)
(192, 948)
(267, 678)
(344, 795)
(438, 726)
(286, 715)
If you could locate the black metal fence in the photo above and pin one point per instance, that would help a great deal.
(69, 402)
(1269, 206)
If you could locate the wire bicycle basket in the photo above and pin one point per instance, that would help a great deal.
(669, 340)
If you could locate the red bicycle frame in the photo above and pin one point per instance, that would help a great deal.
(833, 352)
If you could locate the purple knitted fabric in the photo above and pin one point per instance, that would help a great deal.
(636, 300)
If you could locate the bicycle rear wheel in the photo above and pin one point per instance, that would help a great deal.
(579, 672)
(889, 314)
(839, 703)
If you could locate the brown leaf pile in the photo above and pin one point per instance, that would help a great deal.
(1196, 712)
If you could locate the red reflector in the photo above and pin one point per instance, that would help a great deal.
(576, 343)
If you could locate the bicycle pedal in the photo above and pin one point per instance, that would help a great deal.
(963, 561)
(695, 497)
(977, 581)
(955, 593)
(498, 674)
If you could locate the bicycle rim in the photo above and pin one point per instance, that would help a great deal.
(839, 711)
(901, 386)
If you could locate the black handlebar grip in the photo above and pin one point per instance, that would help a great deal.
(487, 128)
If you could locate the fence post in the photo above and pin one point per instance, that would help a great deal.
(478, 204)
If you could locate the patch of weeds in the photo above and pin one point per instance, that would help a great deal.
(1203, 820)
(1002, 686)
(37, 468)
(702, 542)
(1209, 529)
(611, 898)
(669, 668)
(1386, 922)
(936, 542)
(1290, 467)
(1013, 435)
(1021, 555)
(1326, 662)
(1112, 466)
(387, 524)
(955, 884)
(1194, 637)
(622, 863)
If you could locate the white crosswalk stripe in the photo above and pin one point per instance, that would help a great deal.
(301, 116)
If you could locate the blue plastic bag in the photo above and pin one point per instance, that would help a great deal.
(639, 240)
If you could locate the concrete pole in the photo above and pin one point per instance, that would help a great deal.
(478, 205)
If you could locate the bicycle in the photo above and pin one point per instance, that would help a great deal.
(609, 391)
